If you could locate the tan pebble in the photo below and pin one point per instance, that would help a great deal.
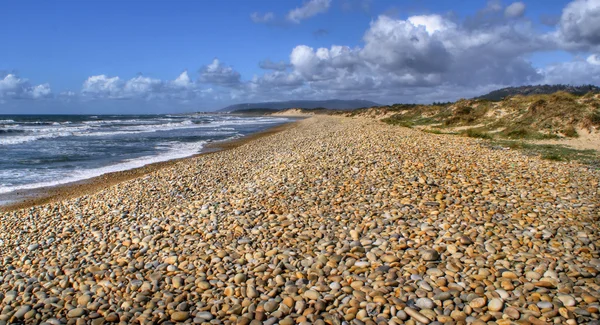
(495, 305)
(311, 295)
(512, 313)
(416, 315)
(171, 260)
(478, 302)
(76, 312)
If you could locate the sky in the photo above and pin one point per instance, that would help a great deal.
(94, 57)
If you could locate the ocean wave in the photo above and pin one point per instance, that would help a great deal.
(171, 150)
(11, 131)
(38, 131)
(6, 121)
(28, 138)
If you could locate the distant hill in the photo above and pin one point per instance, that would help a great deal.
(500, 94)
(329, 104)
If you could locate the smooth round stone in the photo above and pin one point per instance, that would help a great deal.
(465, 240)
(76, 312)
(452, 249)
(416, 315)
(424, 303)
(531, 275)
(229, 291)
(335, 286)
(389, 258)
(271, 306)
(435, 272)
(430, 255)
(239, 278)
(567, 300)
(33, 247)
(251, 292)
(502, 293)
(180, 316)
(311, 295)
(512, 312)
(171, 260)
(20, 313)
(443, 296)
(544, 304)
(495, 305)
(204, 315)
(478, 302)
(203, 285)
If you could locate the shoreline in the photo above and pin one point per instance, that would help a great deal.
(60, 192)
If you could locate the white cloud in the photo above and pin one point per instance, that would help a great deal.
(103, 86)
(419, 55)
(309, 9)
(142, 86)
(219, 74)
(432, 23)
(594, 59)
(515, 10)
(183, 81)
(41, 91)
(14, 87)
(418, 59)
(262, 18)
(579, 25)
(575, 72)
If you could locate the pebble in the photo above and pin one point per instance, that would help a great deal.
(478, 302)
(495, 305)
(311, 295)
(424, 303)
(76, 312)
(417, 316)
(567, 300)
(430, 255)
(204, 315)
(180, 316)
(335, 220)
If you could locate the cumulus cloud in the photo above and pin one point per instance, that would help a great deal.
(594, 59)
(219, 74)
(515, 10)
(270, 65)
(408, 56)
(575, 72)
(579, 23)
(103, 86)
(183, 81)
(309, 9)
(421, 58)
(262, 18)
(14, 87)
(140, 87)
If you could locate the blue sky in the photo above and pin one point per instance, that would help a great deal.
(175, 56)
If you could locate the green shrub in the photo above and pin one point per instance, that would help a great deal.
(595, 117)
(570, 132)
(471, 133)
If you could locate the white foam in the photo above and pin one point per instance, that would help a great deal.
(7, 121)
(28, 138)
(56, 131)
(175, 150)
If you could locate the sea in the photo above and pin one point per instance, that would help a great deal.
(46, 150)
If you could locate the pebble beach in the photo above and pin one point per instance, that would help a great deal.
(333, 220)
